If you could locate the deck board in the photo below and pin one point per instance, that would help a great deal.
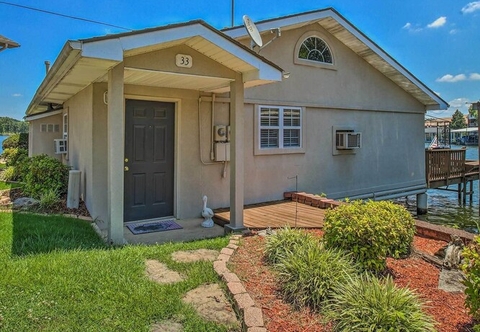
(277, 214)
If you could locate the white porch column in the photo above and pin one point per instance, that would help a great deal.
(116, 150)
(237, 169)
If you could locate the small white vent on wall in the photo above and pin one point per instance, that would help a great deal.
(345, 140)
(60, 146)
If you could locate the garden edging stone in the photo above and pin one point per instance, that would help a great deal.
(252, 317)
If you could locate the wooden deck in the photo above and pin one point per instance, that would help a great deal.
(445, 167)
(276, 215)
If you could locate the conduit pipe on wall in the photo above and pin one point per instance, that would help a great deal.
(200, 135)
(212, 153)
(212, 133)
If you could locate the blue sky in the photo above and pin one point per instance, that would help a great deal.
(436, 40)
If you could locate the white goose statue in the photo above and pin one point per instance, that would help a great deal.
(207, 213)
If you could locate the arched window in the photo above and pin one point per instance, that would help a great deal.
(315, 49)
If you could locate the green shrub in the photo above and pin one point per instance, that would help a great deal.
(368, 304)
(16, 141)
(372, 231)
(310, 275)
(471, 267)
(285, 241)
(46, 173)
(14, 156)
(8, 174)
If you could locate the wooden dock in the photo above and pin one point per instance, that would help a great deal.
(277, 215)
(446, 167)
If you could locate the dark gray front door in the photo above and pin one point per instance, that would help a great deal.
(149, 154)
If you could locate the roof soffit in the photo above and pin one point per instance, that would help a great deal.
(354, 39)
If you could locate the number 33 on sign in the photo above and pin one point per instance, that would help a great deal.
(183, 60)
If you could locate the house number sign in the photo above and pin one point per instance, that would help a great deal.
(183, 60)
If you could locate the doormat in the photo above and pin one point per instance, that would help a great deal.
(153, 226)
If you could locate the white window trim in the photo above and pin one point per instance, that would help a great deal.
(283, 150)
(305, 62)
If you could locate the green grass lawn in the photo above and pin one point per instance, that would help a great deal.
(8, 185)
(57, 275)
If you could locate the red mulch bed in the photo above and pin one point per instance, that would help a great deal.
(447, 309)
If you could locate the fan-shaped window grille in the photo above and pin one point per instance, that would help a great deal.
(315, 49)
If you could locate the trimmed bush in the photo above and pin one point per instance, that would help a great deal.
(471, 267)
(368, 304)
(371, 231)
(46, 173)
(310, 275)
(16, 141)
(285, 241)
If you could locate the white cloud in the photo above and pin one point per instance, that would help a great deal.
(458, 102)
(452, 79)
(453, 31)
(471, 7)
(475, 77)
(438, 22)
(17, 95)
(437, 93)
(410, 27)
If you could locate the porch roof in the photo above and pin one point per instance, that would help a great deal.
(83, 62)
(347, 33)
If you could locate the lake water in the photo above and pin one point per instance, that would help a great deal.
(444, 207)
(2, 138)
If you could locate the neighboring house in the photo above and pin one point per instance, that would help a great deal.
(144, 116)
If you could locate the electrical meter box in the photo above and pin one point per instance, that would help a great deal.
(220, 133)
(222, 151)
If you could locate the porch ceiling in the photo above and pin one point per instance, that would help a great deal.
(84, 62)
(173, 80)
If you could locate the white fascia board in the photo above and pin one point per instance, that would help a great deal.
(64, 62)
(43, 115)
(110, 49)
(114, 48)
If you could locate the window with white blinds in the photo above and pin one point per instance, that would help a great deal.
(280, 127)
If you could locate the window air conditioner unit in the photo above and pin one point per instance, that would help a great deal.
(60, 146)
(347, 140)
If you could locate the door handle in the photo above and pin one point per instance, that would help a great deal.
(126, 168)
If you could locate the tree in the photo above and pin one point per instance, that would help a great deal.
(458, 120)
(11, 126)
(473, 110)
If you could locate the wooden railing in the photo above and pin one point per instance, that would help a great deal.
(444, 164)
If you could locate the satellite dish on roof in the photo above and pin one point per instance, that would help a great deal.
(252, 31)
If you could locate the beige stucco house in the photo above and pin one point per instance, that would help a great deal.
(157, 118)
